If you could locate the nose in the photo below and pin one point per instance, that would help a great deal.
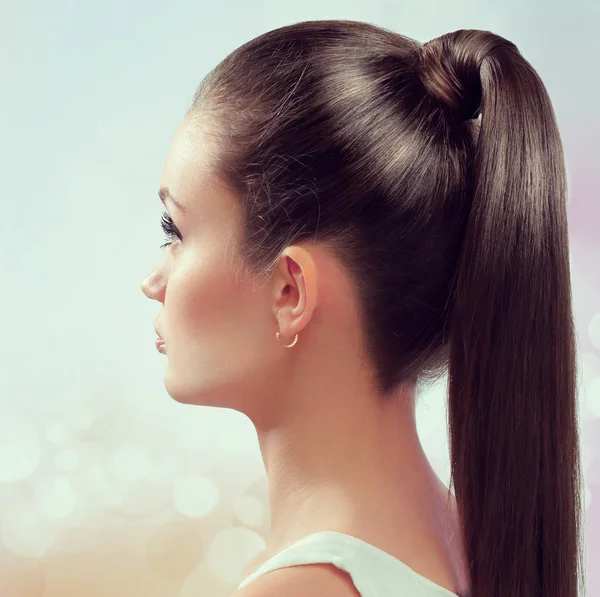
(151, 286)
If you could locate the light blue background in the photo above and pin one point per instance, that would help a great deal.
(91, 96)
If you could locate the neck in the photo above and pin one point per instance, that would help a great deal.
(339, 462)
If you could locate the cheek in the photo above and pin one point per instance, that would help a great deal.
(214, 316)
(198, 295)
(221, 347)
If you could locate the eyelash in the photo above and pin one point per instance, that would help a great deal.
(169, 228)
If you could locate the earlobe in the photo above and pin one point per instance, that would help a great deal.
(277, 336)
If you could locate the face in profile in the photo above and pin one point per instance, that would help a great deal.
(218, 326)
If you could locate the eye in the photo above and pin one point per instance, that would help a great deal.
(170, 230)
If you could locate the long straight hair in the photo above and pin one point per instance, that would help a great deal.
(435, 172)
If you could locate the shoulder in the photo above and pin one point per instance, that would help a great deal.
(306, 580)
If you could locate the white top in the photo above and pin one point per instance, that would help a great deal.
(374, 572)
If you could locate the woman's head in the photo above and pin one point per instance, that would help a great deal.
(220, 316)
(403, 208)
(321, 136)
(219, 319)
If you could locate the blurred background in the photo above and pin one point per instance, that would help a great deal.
(108, 486)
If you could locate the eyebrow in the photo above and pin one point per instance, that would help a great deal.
(165, 194)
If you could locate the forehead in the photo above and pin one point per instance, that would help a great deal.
(189, 175)
(187, 162)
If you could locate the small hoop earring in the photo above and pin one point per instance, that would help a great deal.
(286, 345)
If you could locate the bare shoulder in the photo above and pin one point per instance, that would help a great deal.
(306, 580)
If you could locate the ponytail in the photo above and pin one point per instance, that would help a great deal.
(514, 441)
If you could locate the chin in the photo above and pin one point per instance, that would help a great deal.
(199, 394)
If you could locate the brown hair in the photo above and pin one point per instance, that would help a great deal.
(436, 174)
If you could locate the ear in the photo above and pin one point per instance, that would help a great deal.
(295, 290)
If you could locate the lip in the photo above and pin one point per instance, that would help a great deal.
(160, 343)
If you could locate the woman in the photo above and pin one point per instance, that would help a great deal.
(351, 213)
